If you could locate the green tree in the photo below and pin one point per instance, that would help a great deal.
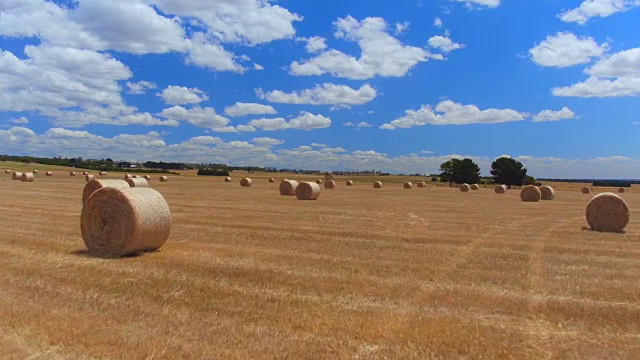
(446, 170)
(460, 171)
(508, 171)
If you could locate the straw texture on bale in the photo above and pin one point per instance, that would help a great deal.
(464, 187)
(349, 183)
(137, 182)
(621, 190)
(474, 187)
(49, 173)
(288, 187)
(377, 185)
(607, 212)
(73, 173)
(246, 182)
(500, 189)
(16, 175)
(120, 222)
(164, 179)
(530, 193)
(547, 193)
(586, 190)
(227, 179)
(408, 185)
(127, 176)
(330, 184)
(272, 180)
(308, 191)
(147, 177)
(95, 185)
(26, 177)
(319, 181)
(89, 177)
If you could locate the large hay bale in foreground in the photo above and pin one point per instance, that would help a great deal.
(407, 185)
(95, 185)
(246, 182)
(586, 190)
(621, 190)
(164, 179)
(308, 191)
(48, 173)
(288, 187)
(474, 187)
(530, 193)
(137, 182)
(500, 189)
(464, 187)
(227, 179)
(89, 177)
(377, 185)
(272, 180)
(26, 177)
(330, 184)
(120, 222)
(16, 175)
(547, 193)
(607, 212)
(349, 183)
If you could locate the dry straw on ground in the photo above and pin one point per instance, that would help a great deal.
(288, 187)
(349, 183)
(607, 212)
(26, 177)
(227, 179)
(89, 177)
(272, 180)
(377, 185)
(49, 173)
(95, 185)
(500, 189)
(319, 181)
(164, 179)
(308, 191)
(621, 190)
(330, 184)
(137, 182)
(119, 222)
(530, 193)
(547, 193)
(246, 182)
(16, 175)
(586, 190)
(408, 185)
(474, 187)
(464, 187)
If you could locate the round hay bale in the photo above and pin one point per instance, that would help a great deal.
(408, 185)
(547, 193)
(35, 171)
(474, 187)
(128, 176)
(102, 173)
(530, 193)
(288, 187)
(49, 173)
(73, 173)
(272, 180)
(7, 171)
(349, 183)
(500, 189)
(586, 190)
(26, 177)
(89, 177)
(227, 179)
(120, 222)
(283, 180)
(319, 181)
(246, 182)
(16, 175)
(164, 179)
(84, 173)
(607, 212)
(308, 191)
(621, 190)
(137, 182)
(147, 177)
(95, 185)
(421, 184)
(135, 177)
(464, 187)
(330, 184)
(377, 185)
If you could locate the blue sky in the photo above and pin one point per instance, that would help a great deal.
(396, 86)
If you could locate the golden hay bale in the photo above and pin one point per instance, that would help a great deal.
(147, 177)
(227, 179)
(530, 193)
(7, 171)
(26, 177)
(164, 179)
(330, 184)
(474, 187)
(283, 180)
(73, 173)
(464, 187)
(246, 182)
(16, 175)
(49, 173)
(128, 176)
(377, 185)
(272, 180)
(621, 190)
(84, 173)
(89, 177)
(349, 183)
(135, 177)
(308, 191)
(95, 185)
(408, 185)
(288, 187)
(547, 193)
(35, 171)
(137, 182)
(607, 212)
(421, 184)
(586, 190)
(120, 222)
(319, 181)
(102, 173)
(500, 189)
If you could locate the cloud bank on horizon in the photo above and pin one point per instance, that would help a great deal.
(331, 86)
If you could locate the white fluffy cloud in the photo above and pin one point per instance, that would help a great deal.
(597, 8)
(197, 116)
(314, 44)
(451, 113)
(402, 27)
(21, 120)
(550, 115)
(381, 54)
(364, 124)
(244, 109)
(267, 141)
(487, 3)
(622, 64)
(444, 44)
(325, 94)
(566, 49)
(306, 121)
(180, 95)
(437, 22)
(140, 87)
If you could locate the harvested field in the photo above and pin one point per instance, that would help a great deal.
(361, 273)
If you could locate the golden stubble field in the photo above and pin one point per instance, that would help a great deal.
(361, 273)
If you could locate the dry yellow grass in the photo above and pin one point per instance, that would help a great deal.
(389, 274)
